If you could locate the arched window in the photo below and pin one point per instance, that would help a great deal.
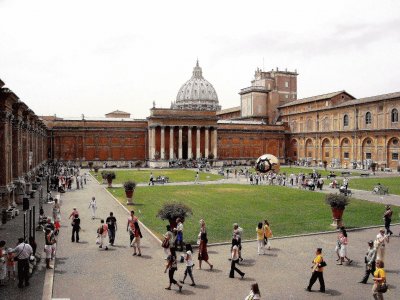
(395, 115)
(368, 118)
(346, 120)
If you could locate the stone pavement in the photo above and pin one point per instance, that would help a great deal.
(83, 271)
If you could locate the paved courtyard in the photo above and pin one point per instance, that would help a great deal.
(83, 271)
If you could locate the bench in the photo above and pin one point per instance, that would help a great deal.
(381, 190)
(364, 174)
(387, 170)
(345, 173)
(331, 176)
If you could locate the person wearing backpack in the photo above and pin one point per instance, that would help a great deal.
(76, 226)
(102, 231)
(112, 228)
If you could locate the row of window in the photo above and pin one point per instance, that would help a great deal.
(394, 117)
(346, 155)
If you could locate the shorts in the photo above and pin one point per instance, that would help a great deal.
(48, 249)
(136, 242)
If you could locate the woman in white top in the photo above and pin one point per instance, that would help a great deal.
(235, 259)
(254, 293)
(93, 207)
(189, 264)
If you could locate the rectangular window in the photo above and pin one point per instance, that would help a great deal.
(309, 154)
(286, 96)
(286, 83)
(294, 153)
(326, 154)
(346, 155)
(395, 156)
(368, 155)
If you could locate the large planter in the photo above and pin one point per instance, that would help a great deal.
(109, 181)
(337, 214)
(129, 196)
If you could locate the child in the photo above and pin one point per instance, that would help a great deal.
(260, 239)
(189, 264)
(10, 263)
(57, 226)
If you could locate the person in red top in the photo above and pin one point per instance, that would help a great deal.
(73, 213)
(136, 240)
(130, 226)
(103, 233)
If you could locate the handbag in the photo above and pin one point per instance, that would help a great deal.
(165, 243)
(322, 264)
(382, 288)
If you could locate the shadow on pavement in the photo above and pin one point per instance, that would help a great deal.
(145, 256)
(120, 246)
(60, 272)
(201, 286)
(332, 292)
(247, 262)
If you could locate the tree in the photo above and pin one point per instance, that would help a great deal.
(173, 210)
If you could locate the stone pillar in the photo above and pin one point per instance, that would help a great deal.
(162, 148)
(198, 143)
(190, 154)
(149, 142)
(215, 143)
(17, 149)
(180, 143)
(171, 142)
(153, 142)
(206, 142)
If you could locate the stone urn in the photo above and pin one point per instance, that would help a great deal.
(338, 203)
(337, 214)
(129, 187)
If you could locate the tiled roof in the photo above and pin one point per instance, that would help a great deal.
(314, 98)
(118, 112)
(389, 96)
(228, 110)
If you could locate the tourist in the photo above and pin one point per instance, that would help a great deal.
(380, 244)
(317, 271)
(189, 264)
(254, 293)
(151, 181)
(48, 247)
(73, 213)
(260, 239)
(22, 252)
(237, 235)
(112, 228)
(179, 234)
(56, 209)
(136, 240)
(169, 240)
(196, 178)
(102, 232)
(76, 226)
(93, 207)
(130, 226)
(203, 254)
(172, 266)
(57, 227)
(267, 234)
(387, 216)
(346, 183)
(235, 259)
(10, 264)
(343, 246)
(78, 181)
(379, 279)
(33, 244)
(3, 264)
(369, 259)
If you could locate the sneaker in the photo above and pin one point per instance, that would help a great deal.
(243, 275)
(100, 246)
(139, 254)
(193, 284)
(308, 289)
(211, 267)
(180, 288)
(168, 288)
(181, 281)
(134, 254)
(106, 248)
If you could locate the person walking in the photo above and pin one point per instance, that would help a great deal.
(380, 245)
(93, 207)
(22, 252)
(102, 231)
(151, 181)
(343, 247)
(260, 239)
(76, 227)
(172, 266)
(254, 293)
(203, 254)
(237, 234)
(317, 271)
(189, 264)
(387, 216)
(136, 240)
(369, 259)
(379, 280)
(169, 242)
(267, 234)
(112, 228)
(73, 213)
(56, 210)
(196, 178)
(179, 234)
(130, 226)
(10, 264)
(235, 259)
(48, 249)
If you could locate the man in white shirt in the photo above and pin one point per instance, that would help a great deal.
(22, 252)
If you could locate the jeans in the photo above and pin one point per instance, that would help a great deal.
(387, 226)
(111, 235)
(75, 233)
(368, 271)
(189, 271)
(23, 272)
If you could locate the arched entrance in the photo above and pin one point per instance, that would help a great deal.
(293, 150)
(309, 150)
(326, 150)
(367, 152)
(345, 153)
(393, 150)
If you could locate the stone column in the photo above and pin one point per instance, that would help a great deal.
(162, 148)
(17, 149)
(198, 143)
(190, 154)
(180, 143)
(149, 142)
(215, 144)
(207, 142)
(171, 142)
(153, 142)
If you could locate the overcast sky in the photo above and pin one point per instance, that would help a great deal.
(92, 57)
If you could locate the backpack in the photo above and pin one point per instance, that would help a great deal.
(100, 230)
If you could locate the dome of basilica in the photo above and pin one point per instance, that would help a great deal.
(197, 93)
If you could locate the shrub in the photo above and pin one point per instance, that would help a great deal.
(171, 211)
(96, 169)
(337, 200)
(129, 185)
(109, 175)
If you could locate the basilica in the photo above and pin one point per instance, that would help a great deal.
(336, 127)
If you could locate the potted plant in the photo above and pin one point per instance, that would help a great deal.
(96, 169)
(338, 203)
(129, 187)
(174, 210)
(90, 164)
(109, 176)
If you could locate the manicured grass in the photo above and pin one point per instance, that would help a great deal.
(141, 176)
(289, 211)
(367, 184)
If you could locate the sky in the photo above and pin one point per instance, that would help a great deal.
(92, 57)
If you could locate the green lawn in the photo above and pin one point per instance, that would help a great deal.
(141, 176)
(290, 211)
(367, 184)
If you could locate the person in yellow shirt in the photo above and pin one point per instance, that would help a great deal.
(267, 234)
(379, 279)
(260, 239)
(317, 271)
